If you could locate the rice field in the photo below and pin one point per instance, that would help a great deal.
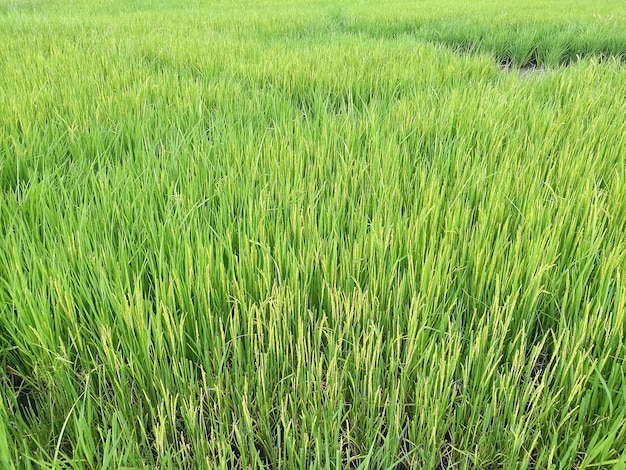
(312, 234)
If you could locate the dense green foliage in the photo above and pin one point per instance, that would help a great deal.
(304, 235)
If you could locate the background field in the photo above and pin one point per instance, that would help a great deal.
(312, 234)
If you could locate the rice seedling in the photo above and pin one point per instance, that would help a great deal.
(304, 235)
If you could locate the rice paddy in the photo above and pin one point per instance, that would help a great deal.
(314, 234)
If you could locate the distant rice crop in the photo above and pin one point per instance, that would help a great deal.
(304, 235)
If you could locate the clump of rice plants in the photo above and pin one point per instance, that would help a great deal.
(312, 235)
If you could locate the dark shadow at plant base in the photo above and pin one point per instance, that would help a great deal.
(23, 394)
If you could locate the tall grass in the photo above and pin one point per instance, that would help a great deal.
(304, 236)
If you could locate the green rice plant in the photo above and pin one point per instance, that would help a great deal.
(312, 235)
